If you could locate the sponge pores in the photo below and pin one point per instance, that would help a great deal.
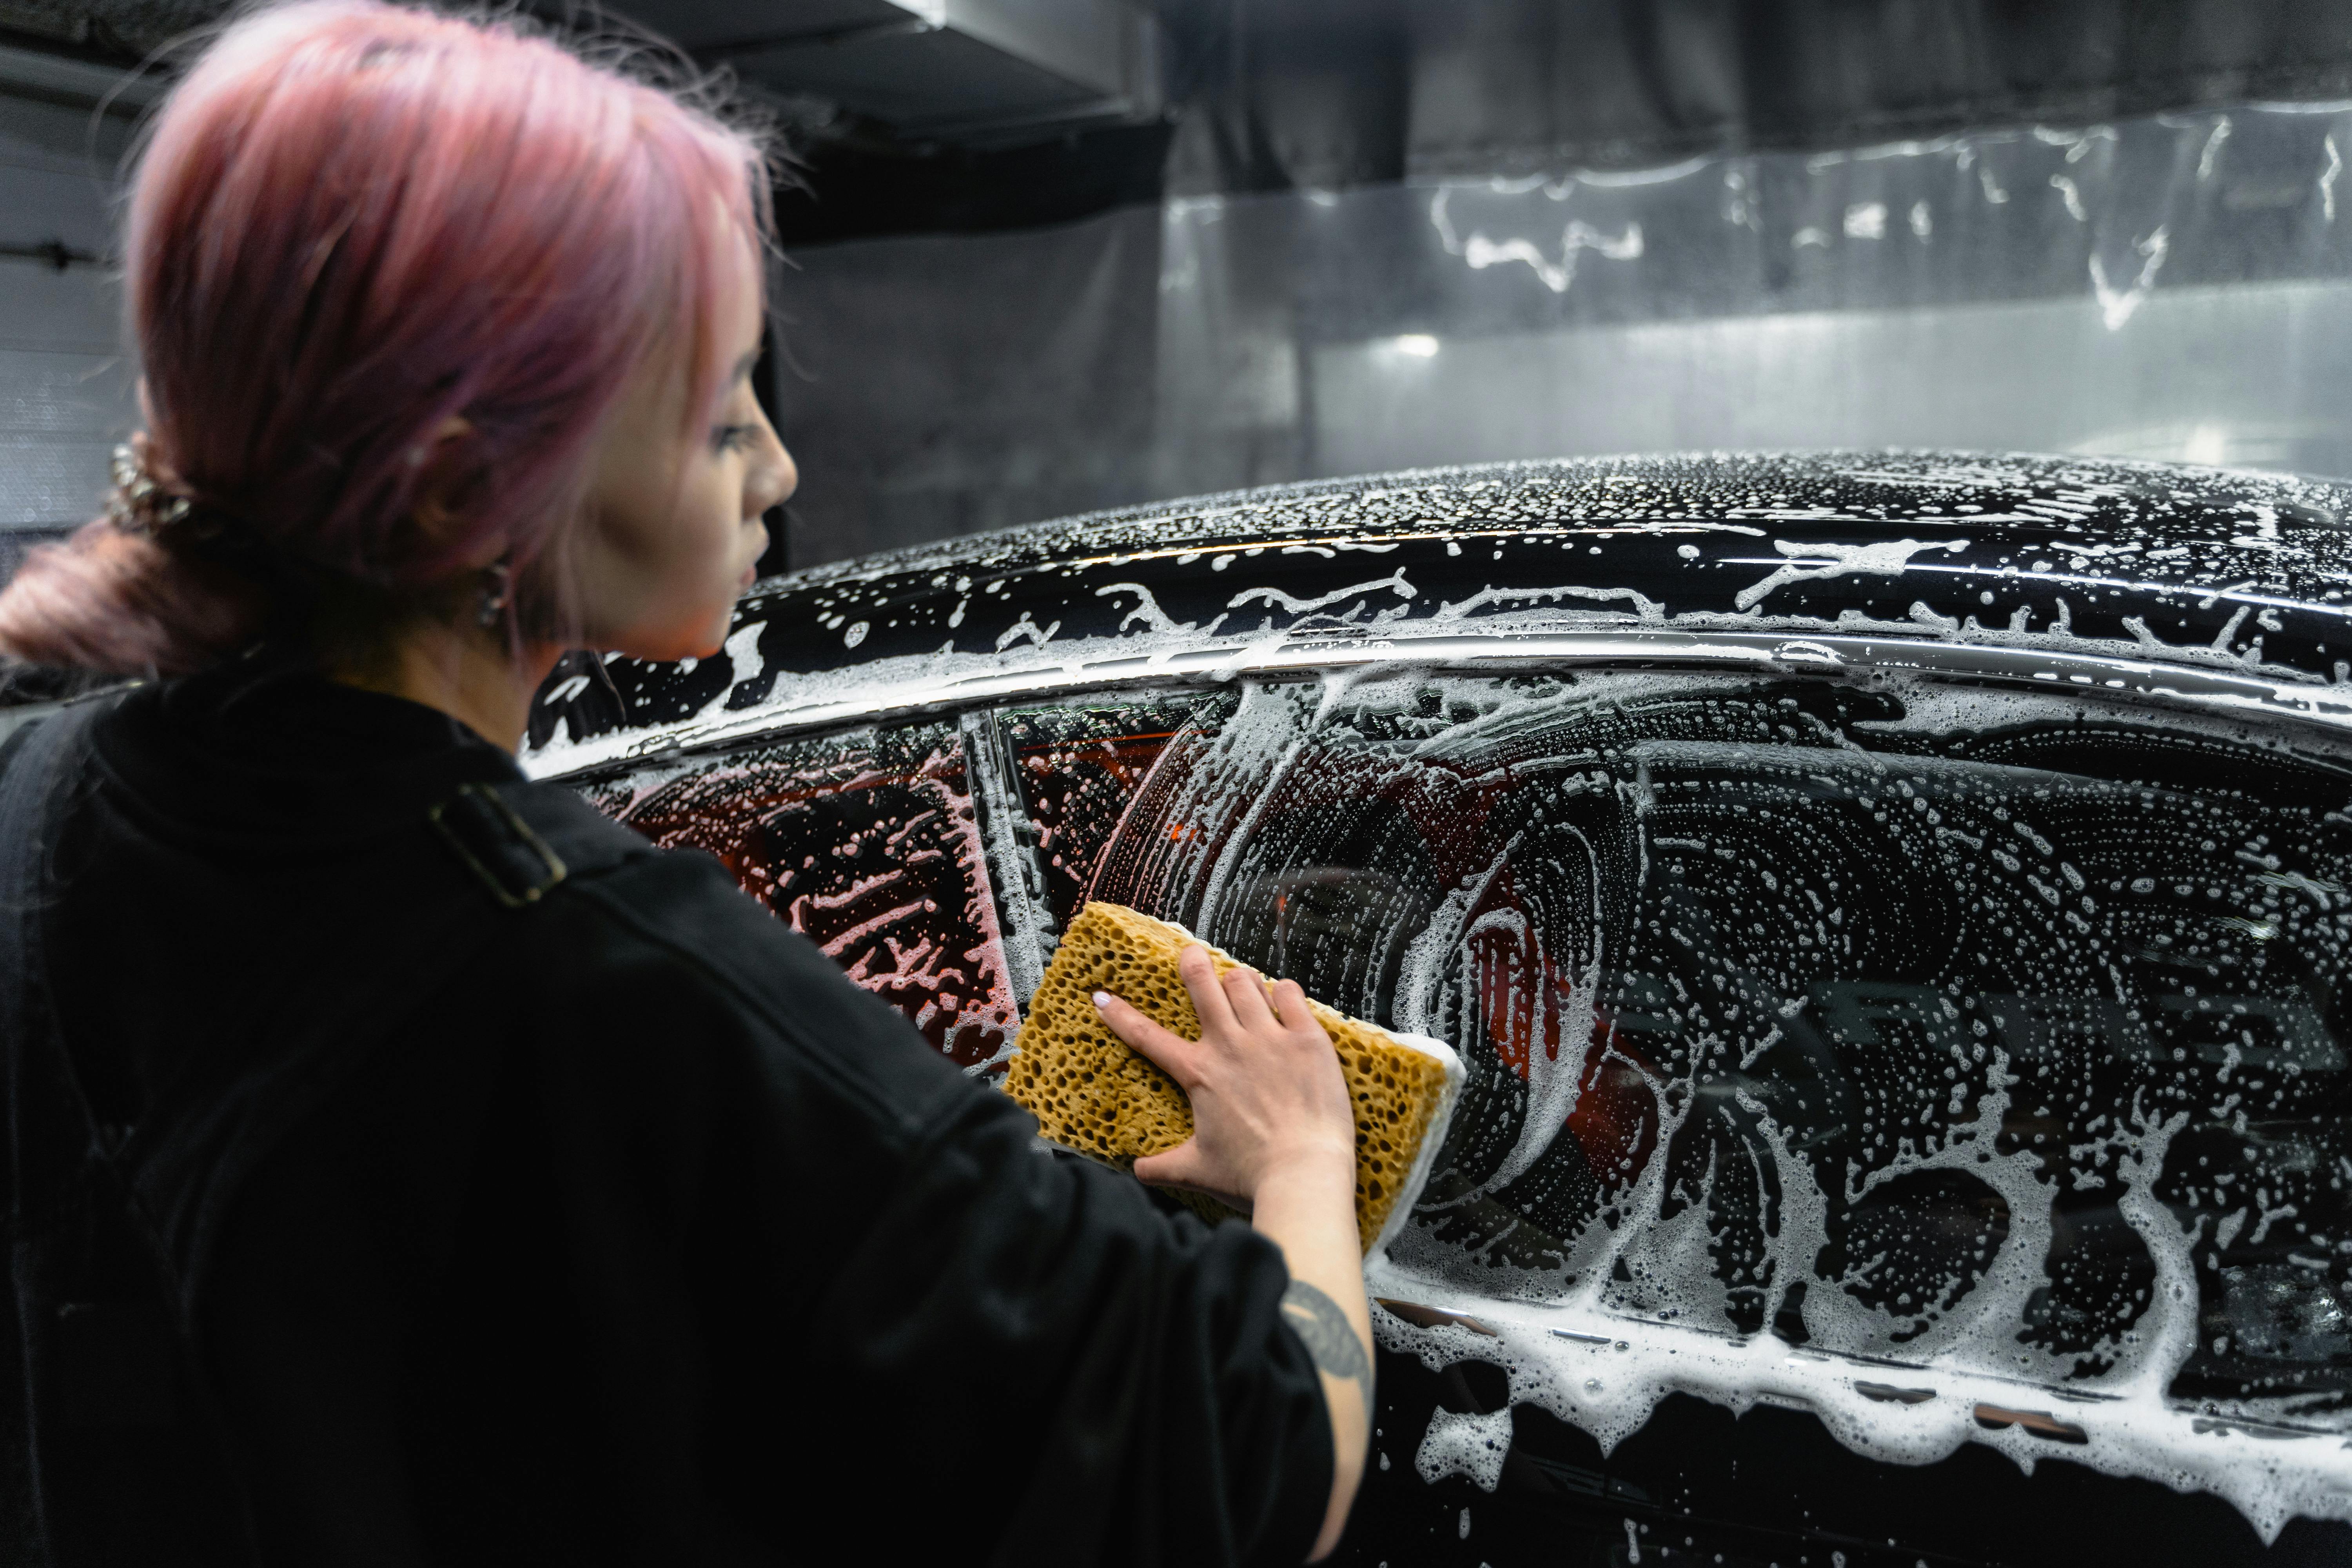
(1093, 1094)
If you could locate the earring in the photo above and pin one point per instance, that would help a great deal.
(497, 591)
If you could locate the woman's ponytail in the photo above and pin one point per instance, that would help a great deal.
(125, 603)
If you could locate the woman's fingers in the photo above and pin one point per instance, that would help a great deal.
(1209, 999)
(1290, 1006)
(1185, 1166)
(1244, 992)
(1171, 1167)
(1170, 1052)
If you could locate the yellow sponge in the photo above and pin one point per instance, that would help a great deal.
(1089, 1092)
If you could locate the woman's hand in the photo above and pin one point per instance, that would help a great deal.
(1274, 1134)
(1264, 1081)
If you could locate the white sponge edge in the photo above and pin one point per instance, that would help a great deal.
(1432, 1137)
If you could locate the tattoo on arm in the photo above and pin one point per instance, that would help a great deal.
(1329, 1338)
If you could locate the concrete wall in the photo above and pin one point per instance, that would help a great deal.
(65, 385)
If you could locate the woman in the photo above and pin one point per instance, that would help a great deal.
(408, 1165)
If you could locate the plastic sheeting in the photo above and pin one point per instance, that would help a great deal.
(2177, 285)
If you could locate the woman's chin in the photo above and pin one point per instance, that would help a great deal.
(702, 643)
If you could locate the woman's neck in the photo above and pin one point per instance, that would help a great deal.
(473, 674)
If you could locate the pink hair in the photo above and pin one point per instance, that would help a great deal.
(350, 223)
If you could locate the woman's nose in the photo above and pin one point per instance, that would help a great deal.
(772, 482)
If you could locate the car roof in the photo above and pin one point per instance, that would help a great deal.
(2156, 566)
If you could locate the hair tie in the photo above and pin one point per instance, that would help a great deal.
(143, 499)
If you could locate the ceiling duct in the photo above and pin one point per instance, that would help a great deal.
(972, 71)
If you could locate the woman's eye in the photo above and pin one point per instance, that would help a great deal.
(730, 438)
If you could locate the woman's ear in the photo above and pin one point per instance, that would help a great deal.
(450, 468)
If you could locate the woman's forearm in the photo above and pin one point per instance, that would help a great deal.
(1307, 1208)
(1272, 1133)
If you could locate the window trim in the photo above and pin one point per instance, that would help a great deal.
(887, 700)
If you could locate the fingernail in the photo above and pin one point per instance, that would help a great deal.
(1102, 998)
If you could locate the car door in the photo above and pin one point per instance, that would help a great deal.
(1936, 1061)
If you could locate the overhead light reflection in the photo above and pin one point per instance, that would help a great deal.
(1420, 345)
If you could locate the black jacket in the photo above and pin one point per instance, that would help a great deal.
(617, 1227)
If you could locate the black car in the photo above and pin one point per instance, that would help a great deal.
(1894, 910)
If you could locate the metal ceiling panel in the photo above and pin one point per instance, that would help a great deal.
(939, 68)
(44, 77)
(1083, 41)
(721, 26)
(917, 81)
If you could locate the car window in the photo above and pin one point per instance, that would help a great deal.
(1079, 765)
(865, 842)
(1906, 1022)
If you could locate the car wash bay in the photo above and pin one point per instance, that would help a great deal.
(1073, 254)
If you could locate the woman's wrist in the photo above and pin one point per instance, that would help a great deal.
(1309, 1170)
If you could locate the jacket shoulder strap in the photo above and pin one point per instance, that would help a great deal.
(521, 841)
(515, 841)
